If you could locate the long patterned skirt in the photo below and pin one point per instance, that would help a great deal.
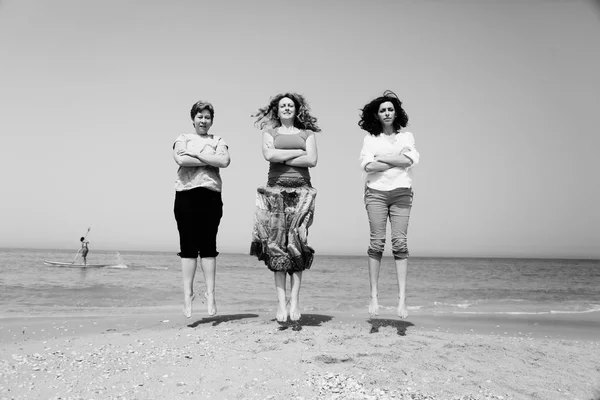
(281, 221)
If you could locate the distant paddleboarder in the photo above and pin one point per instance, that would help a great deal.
(84, 249)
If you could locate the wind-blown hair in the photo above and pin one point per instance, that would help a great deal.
(371, 123)
(201, 105)
(267, 116)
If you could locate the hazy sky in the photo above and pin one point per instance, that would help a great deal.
(503, 99)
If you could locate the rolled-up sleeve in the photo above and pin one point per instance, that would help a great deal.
(366, 153)
(412, 152)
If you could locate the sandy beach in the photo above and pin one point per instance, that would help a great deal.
(326, 356)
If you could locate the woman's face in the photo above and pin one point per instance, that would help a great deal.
(386, 113)
(286, 109)
(203, 122)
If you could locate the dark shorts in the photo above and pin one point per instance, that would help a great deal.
(198, 213)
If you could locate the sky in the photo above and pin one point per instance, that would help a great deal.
(503, 99)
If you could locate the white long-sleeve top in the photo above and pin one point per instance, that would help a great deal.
(396, 177)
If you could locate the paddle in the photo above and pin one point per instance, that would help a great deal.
(84, 236)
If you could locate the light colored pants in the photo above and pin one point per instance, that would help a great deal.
(393, 204)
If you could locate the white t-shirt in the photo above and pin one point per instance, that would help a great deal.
(204, 176)
(396, 177)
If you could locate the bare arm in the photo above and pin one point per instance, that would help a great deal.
(310, 158)
(219, 159)
(272, 154)
(189, 158)
(184, 160)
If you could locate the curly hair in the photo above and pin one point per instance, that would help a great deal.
(369, 120)
(267, 116)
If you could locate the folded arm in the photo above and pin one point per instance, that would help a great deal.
(310, 158)
(220, 158)
(188, 158)
(377, 166)
(400, 160)
(272, 154)
(183, 159)
(368, 161)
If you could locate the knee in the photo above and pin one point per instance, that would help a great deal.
(400, 248)
(376, 247)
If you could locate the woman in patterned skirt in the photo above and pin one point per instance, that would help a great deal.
(285, 206)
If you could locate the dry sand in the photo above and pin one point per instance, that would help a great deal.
(326, 356)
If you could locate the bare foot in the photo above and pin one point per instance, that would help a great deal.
(187, 305)
(211, 304)
(374, 306)
(402, 310)
(295, 312)
(282, 314)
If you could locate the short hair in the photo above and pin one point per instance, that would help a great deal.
(267, 116)
(201, 106)
(82, 239)
(369, 120)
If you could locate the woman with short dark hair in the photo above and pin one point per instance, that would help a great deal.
(198, 204)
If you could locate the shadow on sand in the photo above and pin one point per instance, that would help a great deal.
(221, 318)
(305, 320)
(400, 326)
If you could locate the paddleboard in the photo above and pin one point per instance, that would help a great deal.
(66, 264)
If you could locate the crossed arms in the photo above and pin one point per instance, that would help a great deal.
(374, 160)
(293, 157)
(185, 157)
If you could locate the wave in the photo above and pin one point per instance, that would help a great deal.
(125, 266)
(410, 308)
(595, 308)
(459, 305)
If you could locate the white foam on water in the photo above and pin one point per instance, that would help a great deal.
(119, 266)
(459, 305)
(591, 310)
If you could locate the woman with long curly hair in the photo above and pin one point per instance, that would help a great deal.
(285, 206)
(387, 156)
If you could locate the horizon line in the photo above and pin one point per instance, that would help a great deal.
(528, 257)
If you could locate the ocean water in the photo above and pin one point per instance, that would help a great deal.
(147, 281)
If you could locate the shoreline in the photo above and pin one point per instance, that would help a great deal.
(325, 356)
(584, 327)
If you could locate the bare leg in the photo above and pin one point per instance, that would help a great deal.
(296, 281)
(188, 270)
(209, 267)
(401, 271)
(280, 287)
(374, 266)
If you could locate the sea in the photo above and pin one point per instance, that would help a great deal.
(136, 282)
